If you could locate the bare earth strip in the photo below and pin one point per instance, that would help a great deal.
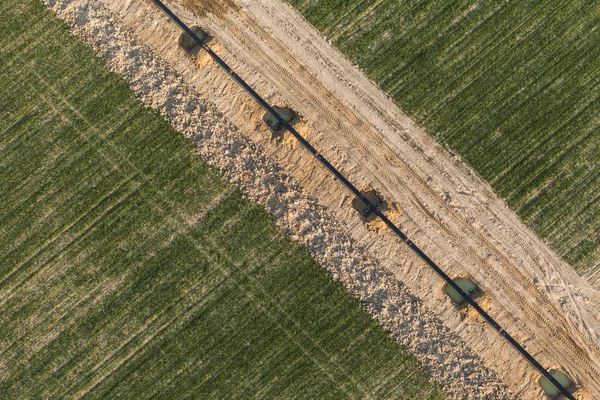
(442, 204)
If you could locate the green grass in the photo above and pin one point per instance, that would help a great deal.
(131, 269)
(512, 86)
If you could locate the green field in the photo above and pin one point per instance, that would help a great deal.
(512, 86)
(131, 269)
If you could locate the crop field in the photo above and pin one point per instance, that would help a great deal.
(129, 268)
(512, 86)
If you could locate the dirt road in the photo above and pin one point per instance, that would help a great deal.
(444, 207)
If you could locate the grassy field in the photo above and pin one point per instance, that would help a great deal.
(130, 269)
(512, 86)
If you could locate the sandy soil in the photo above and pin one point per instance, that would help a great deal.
(440, 203)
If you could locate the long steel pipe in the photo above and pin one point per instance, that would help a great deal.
(360, 196)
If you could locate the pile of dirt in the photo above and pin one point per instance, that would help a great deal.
(448, 359)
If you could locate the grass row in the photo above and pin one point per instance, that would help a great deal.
(131, 269)
(514, 87)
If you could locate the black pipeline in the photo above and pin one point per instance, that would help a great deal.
(359, 195)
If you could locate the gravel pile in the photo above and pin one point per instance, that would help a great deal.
(156, 85)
